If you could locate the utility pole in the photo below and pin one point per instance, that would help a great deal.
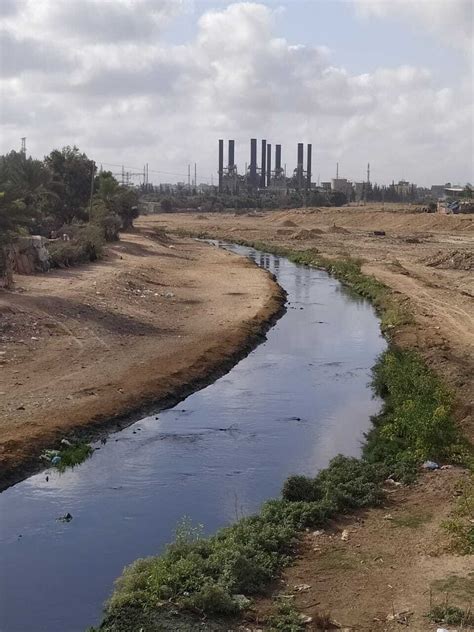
(368, 172)
(189, 176)
(195, 176)
(123, 176)
(23, 145)
(337, 171)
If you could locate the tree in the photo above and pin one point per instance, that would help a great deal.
(166, 205)
(71, 174)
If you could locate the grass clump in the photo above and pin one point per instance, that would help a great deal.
(286, 619)
(459, 525)
(451, 615)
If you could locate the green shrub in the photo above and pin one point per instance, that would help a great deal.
(74, 455)
(301, 488)
(416, 421)
(86, 243)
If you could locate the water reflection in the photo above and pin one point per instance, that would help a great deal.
(292, 404)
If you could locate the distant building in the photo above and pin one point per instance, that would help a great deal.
(359, 188)
(342, 185)
(438, 190)
(404, 189)
(453, 191)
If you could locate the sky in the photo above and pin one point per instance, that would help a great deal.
(130, 82)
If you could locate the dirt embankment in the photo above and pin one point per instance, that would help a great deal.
(395, 562)
(154, 321)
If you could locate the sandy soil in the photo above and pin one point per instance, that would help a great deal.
(388, 565)
(155, 320)
(392, 565)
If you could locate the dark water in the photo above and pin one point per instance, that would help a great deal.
(296, 401)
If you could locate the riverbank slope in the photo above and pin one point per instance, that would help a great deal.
(159, 317)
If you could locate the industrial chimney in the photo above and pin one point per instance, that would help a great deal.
(231, 154)
(253, 162)
(221, 163)
(269, 164)
(277, 158)
(263, 164)
(299, 166)
(308, 166)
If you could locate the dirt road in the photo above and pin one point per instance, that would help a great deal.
(77, 347)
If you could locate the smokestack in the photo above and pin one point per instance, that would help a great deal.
(299, 166)
(231, 153)
(264, 164)
(277, 157)
(253, 161)
(269, 164)
(308, 166)
(300, 154)
(221, 163)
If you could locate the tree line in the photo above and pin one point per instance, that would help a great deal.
(65, 199)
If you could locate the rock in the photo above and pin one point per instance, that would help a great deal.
(345, 535)
(388, 517)
(430, 465)
(446, 467)
(318, 532)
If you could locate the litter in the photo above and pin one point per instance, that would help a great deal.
(430, 465)
(66, 518)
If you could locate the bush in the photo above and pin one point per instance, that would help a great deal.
(86, 244)
(107, 221)
(416, 422)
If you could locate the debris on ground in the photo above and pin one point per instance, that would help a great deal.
(301, 587)
(430, 465)
(454, 260)
(345, 535)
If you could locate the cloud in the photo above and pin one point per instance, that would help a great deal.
(115, 87)
(450, 20)
(18, 56)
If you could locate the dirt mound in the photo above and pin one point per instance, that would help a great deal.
(338, 229)
(307, 234)
(288, 222)
(454, 260)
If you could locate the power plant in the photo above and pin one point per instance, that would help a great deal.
(261, 177)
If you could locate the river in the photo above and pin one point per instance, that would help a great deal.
(297, 400)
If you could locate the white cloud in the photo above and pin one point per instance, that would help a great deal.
(105, 79)
(450, 20)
